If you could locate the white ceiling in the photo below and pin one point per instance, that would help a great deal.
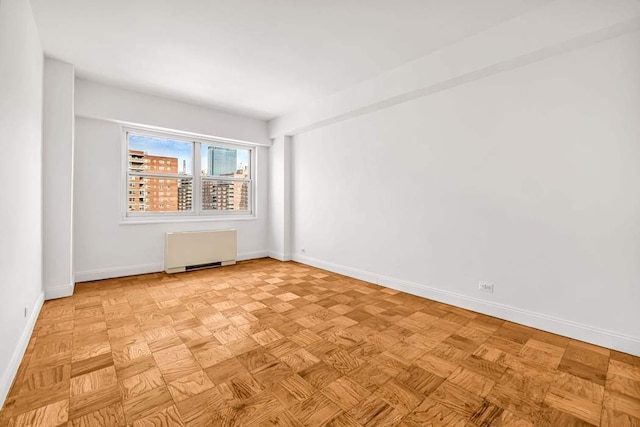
(261, 58)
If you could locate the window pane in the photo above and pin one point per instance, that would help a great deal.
(149, 194)
(159, 155)
(225, 195)
(223, 161)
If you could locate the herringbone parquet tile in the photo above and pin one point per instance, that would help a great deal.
(284, 344)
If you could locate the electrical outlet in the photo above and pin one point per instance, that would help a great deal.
(485, 286)
(26, 309)
(303, 250)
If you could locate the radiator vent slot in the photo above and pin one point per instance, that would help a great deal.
(201, 266)
(195, 250)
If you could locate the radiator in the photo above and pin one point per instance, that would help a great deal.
(199, 249)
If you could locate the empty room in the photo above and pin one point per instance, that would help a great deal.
(302, 213)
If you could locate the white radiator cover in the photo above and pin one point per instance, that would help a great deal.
(196, 249)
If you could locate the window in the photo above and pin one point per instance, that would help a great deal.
(225, 178)
(172, 174)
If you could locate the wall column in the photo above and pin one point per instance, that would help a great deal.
(57, 178)
(280, 198)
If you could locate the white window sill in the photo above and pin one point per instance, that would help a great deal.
(187, 218)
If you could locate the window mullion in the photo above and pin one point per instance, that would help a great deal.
(197, 181)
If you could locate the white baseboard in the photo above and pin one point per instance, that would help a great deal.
(337, 268)
(280, 256)
(10, 371)
(110, 273)
(579, 331)
(133, 270)
(59, 292)
(252, 255)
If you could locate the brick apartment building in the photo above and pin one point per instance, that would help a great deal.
(150, 194)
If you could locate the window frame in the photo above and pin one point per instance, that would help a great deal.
(196, 213)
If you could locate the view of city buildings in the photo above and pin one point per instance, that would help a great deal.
(163, 194)
(224, 195)
(149, 194)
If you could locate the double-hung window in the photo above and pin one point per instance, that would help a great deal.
(173, 175)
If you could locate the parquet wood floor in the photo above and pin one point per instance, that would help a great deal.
(284, 344)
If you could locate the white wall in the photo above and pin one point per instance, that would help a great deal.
(527, 179)
(57, 182)
(103, 246)
(20, 177)
(104, 102)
